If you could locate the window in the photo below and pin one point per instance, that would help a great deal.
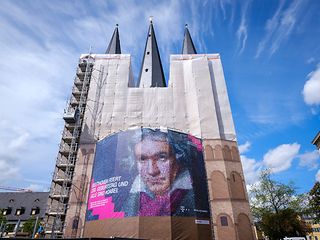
(35, 211)
(146, 69)
(37, 200)
(20, 211)
(75, 223)
(224, 221)
(11, 200)
(7, 211)
(233, 177)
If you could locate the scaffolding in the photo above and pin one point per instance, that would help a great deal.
(67, 155)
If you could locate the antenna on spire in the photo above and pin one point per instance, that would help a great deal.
(151, 19)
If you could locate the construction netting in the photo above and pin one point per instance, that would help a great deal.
(149, 179)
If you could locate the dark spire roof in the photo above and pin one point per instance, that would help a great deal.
(188, 47)
(151, 74)
(114, 45)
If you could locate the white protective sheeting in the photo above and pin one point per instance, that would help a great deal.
(195, 101)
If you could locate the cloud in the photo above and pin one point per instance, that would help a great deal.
(270, 28)
(242, 32)
(280, 158)
(251, 169)
(280, 26)
(13, 141)
(36, 188)
(244, 147)
(318, 176)
(309, 159)
(41, 43)
(7, 170)
(34, 86)
(277, 159)
(311, 89)
(19, 142)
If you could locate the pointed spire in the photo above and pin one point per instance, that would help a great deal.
(151, 73)
(188, 47)
(114, 45)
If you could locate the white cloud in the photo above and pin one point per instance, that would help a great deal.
(318, 176)
(19, 142)
(36, 188)
(277, 159)
(280, 158)
(251, 169)
(41, 43)
(311, 89)
(287, 24)
(309, 159)
(243, 148)
(242, 32)
(13, 141)
(270, 27)
(8, 171)
(280, 26)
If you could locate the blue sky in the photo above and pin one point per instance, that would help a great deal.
(270, 53)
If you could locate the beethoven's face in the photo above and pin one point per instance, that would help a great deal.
(156, 165)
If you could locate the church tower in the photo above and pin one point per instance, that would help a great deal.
(149, 159)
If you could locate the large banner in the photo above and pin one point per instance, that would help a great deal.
(148, 172)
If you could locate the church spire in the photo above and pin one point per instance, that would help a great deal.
(151, 73)
(188, 47)
(114, 45)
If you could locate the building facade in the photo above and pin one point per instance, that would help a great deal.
(18, 207)
(92, 184)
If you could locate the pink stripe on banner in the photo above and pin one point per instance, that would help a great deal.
(100, 204)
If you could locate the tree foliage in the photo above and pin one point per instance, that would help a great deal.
(315, 201)
(28, 226)
(2, 217)
(277, 209)
(284, 223)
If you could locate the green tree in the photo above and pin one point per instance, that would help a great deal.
(3, 220)
(315, 201)
(274, 207)
(28, 226)
(10, 227)
(2, 217)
